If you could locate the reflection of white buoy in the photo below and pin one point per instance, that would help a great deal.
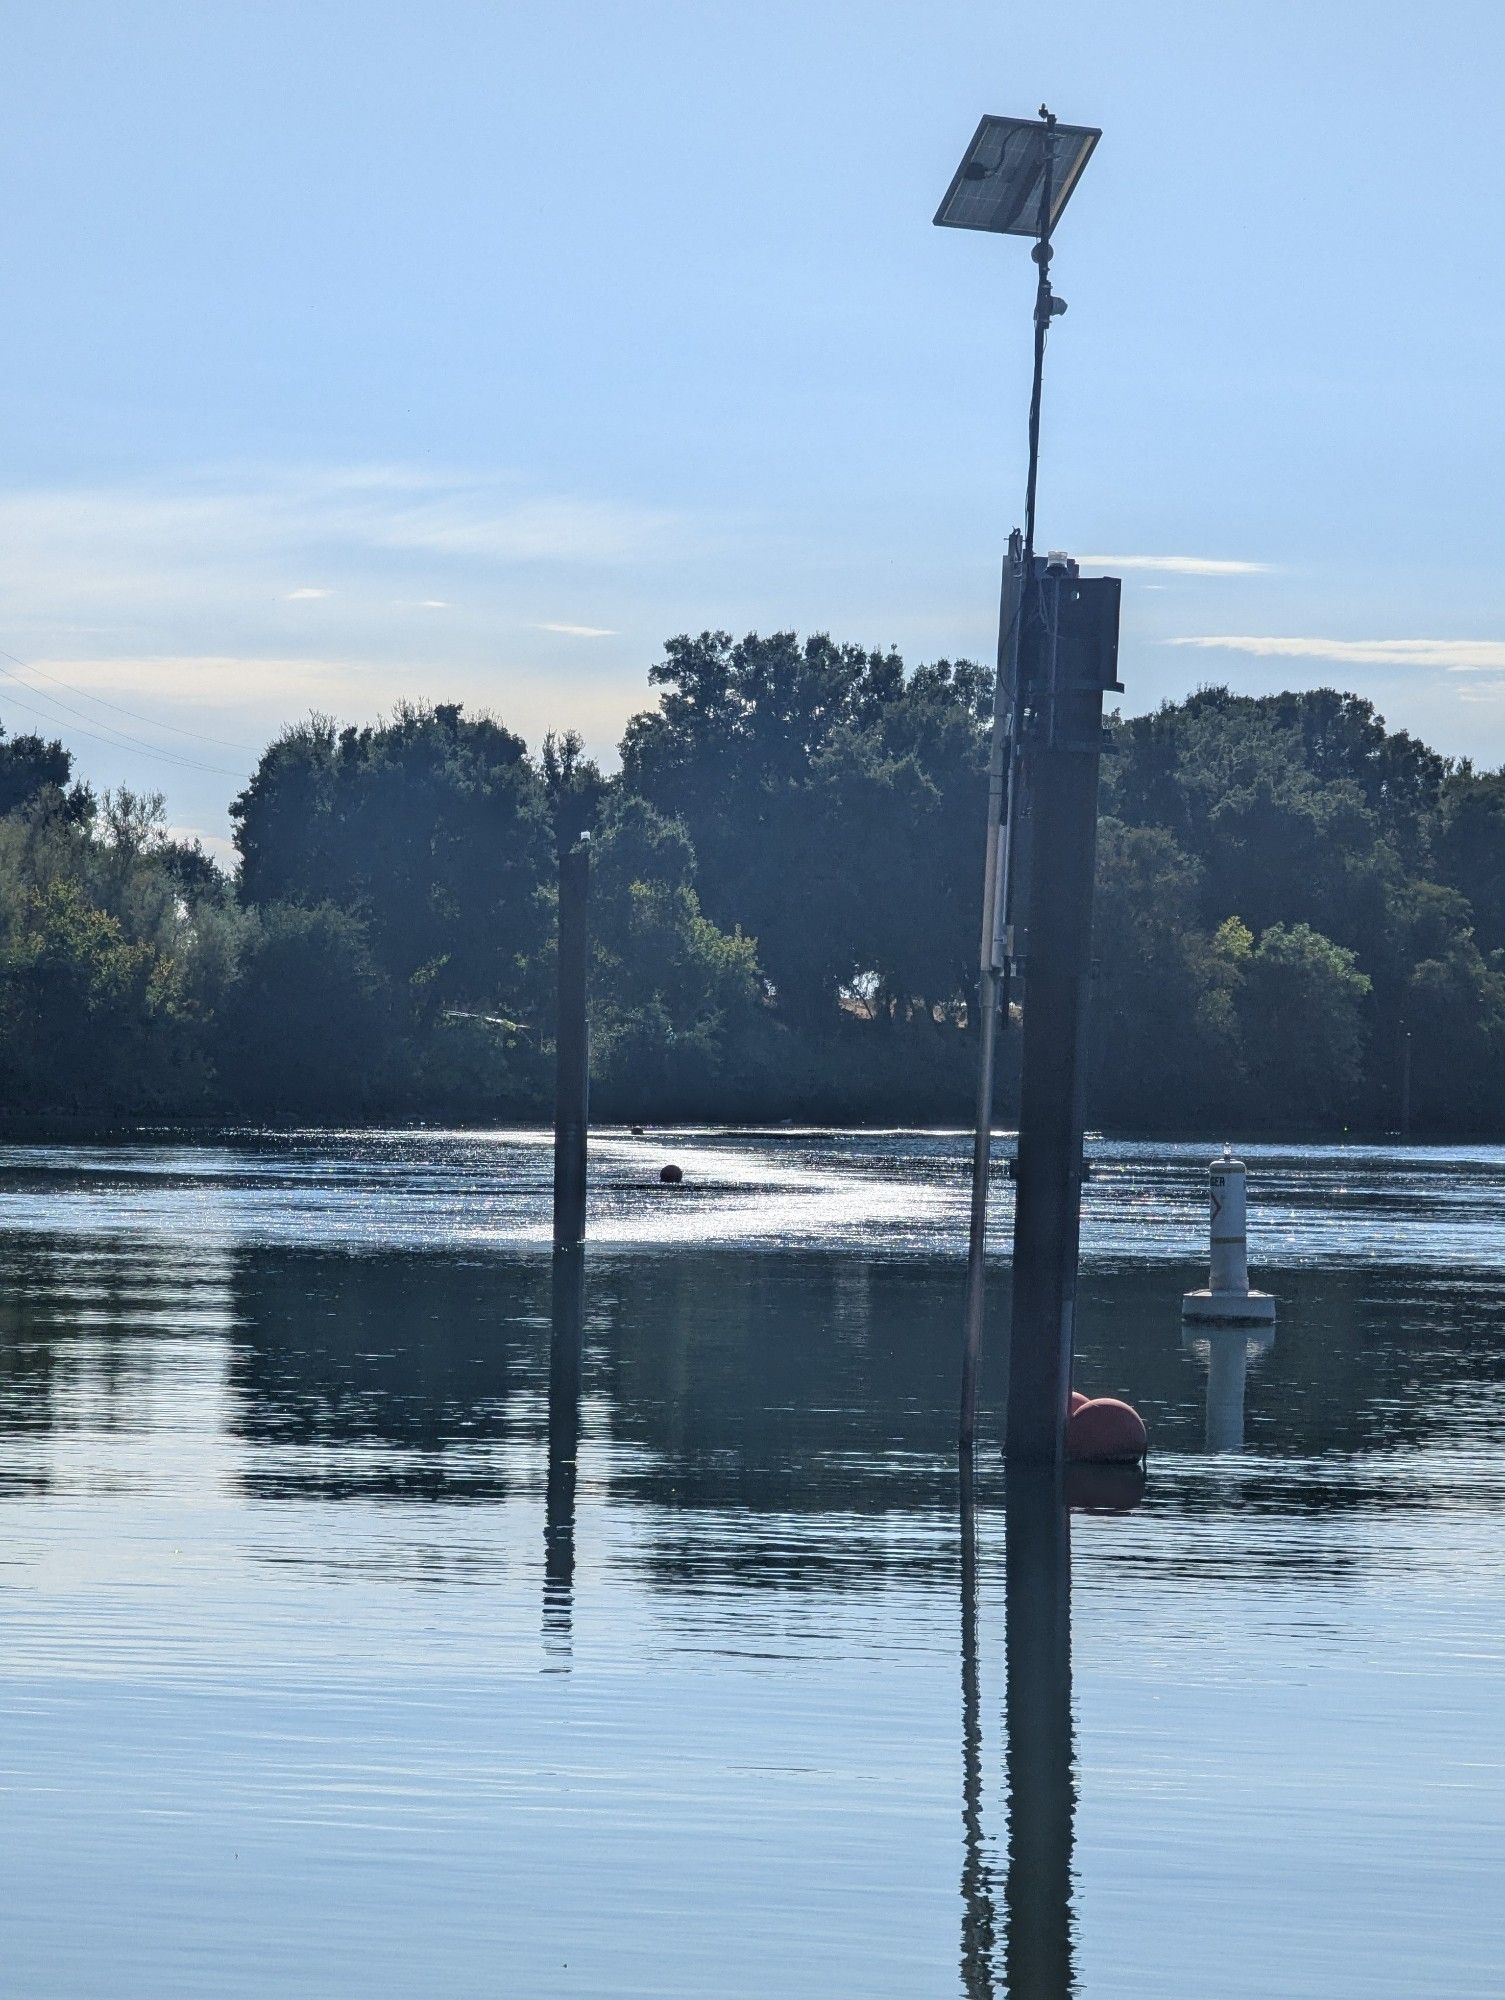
(1227, 1350)
(1226, 1297)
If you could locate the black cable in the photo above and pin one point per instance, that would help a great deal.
(118, 739)
(151, 722)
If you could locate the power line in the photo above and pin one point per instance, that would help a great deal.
(117, 737)
(135, 714)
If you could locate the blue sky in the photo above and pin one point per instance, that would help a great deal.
(352, 351)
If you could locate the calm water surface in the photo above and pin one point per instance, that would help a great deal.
(354, 1640)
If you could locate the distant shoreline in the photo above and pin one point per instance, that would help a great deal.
(55, 1128)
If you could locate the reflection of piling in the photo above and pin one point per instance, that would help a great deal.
(979, 1916)
(1042, 1792)
(565, 1350)
(572, 1052)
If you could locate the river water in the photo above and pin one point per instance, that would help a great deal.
(345, 1649)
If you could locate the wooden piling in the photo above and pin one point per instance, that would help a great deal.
(1069, 654)
(572, 1052)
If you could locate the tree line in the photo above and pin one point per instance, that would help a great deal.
(1300, 914)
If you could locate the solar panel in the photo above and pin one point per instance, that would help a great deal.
(997, 187)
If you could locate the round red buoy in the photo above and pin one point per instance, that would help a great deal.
(1078, 1401)
(671, 1176)
(1105, 1431)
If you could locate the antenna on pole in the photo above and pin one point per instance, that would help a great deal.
(1047, 306)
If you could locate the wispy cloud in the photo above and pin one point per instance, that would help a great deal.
(579, 631)
(1180, 565)
(201, 533)
(260, 691)
(211, 680)
(1458, 656)
(182, 591)
(219, 845)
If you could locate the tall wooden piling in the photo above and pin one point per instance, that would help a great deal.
(1068, 659)
(572, 1052)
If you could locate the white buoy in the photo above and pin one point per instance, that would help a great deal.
(1226, 1297)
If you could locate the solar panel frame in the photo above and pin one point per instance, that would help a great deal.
(1009, 204)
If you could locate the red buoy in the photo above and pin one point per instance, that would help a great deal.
(1078, 1402)
(671, 1176)
(1105, 1431)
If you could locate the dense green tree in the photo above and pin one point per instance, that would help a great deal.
(33, 771)
(1162, 1001)
(824, 792)
(908, 795)
(306, 1028)
(77, 987)
(1448, 1005)
(1344, 741)
(1471, 847)
(1301, 1007)
(1294, 904)
(107, 973)
(432, 829)
(1234, 779)
(672, 996)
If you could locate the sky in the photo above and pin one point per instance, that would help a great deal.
(353, 351)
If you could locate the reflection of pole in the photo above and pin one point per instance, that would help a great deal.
(979, 1919)
(1229, 1350)
(572, 1053)
(565, 1346)
(1042, 1792)
(1227, 1375)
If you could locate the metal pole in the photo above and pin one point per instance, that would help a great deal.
(1003, 770)
(572, 1053)
(992, 993)
(1044, 313)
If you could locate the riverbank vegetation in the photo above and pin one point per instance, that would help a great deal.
(1297, 910)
